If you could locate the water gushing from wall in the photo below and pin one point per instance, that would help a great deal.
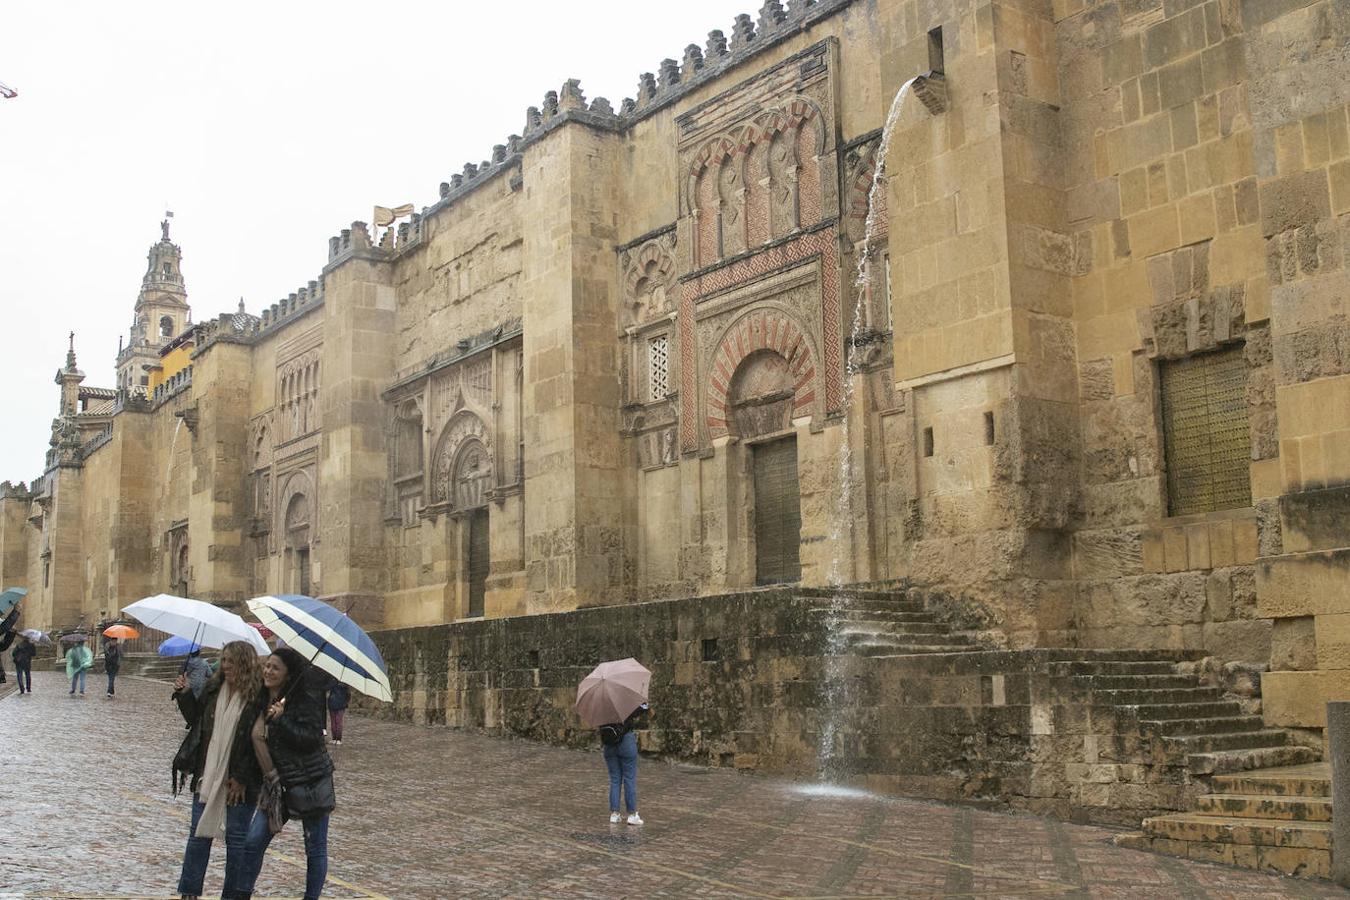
(836, 687)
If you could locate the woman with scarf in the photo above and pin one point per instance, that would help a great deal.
(218, 758)
(289, 742)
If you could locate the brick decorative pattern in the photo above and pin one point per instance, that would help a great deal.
(821, 245)
(760, 329)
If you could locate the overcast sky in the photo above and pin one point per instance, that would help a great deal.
(266, 128)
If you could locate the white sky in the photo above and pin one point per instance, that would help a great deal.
(266, 128)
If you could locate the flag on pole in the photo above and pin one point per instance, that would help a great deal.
(385, 216)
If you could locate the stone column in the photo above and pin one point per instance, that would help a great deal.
(1338, 745)
(574, 495)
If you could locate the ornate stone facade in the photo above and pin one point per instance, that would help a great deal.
(1105, 249)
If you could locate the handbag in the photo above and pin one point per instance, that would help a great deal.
(270, 802)
(313, 799)
(185, 760)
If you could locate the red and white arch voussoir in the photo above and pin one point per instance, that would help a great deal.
(760, 329)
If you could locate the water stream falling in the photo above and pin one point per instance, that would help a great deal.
(168, 470)
(836, 676)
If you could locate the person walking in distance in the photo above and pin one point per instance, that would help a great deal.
(619, 745)
(112, 663)
(79, 659)
(23, 655)
(292, 731)
(7, 635)
(339, 695)
(217, 760)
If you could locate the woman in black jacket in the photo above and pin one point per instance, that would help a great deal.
(217, 759)
(292, 729)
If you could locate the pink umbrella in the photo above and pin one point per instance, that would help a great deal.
(612, 691)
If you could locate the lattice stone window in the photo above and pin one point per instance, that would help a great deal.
(1205, 432)
(658, 368)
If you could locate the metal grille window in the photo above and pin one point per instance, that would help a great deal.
(1205, 432)
(658, 368)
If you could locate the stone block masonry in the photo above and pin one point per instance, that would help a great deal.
(756, 680)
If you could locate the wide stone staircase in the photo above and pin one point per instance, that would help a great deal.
(887, 623)
(1274, 820)
(1257, 798)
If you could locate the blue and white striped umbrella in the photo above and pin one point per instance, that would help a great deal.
(10, 599)
(328, 638)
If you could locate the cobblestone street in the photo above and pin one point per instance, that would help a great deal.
(431, 813)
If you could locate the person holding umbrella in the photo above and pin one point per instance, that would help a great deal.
(612, 699)
(217, 757)
(112, 663)
(79, 660)
(23, 662)
(299, 781)
(7, 635)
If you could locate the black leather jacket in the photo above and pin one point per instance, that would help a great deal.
(295, 738)
(200, 713)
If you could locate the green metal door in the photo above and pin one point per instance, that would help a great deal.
(778, 513)
(479, 559)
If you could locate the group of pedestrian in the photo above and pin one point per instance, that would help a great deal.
(254, 758)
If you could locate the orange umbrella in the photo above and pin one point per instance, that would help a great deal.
(121, 632)
(612, 691)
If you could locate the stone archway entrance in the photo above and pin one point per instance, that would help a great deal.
(298, 578)
(471, 479)
(760, 404)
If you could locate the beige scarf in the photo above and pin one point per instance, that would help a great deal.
(216, 772)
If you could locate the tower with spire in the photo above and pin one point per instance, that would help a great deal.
(161, 314)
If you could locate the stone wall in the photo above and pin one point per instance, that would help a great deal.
(749, 681)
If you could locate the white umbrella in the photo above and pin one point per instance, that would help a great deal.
(193, 620)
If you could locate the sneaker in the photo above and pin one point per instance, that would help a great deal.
(337, 743)
(614, 818)
(634, 819)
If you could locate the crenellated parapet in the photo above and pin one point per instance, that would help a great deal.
(300, 301)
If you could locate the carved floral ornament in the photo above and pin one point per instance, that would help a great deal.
(463, 462)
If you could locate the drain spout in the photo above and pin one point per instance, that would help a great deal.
(931, 90)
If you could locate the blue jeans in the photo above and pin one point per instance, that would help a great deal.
(78, 676)
(197, 853)
(112, 676)
(621, 758)
(316, 854)
(24, 675)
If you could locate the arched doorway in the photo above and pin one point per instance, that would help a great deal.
(297, 545)
(472, 476)
(760, 404)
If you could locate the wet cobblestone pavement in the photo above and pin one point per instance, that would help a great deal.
(431, 813)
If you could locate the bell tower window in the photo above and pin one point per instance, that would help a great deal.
(166, 326)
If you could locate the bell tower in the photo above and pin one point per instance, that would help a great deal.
(162, 312)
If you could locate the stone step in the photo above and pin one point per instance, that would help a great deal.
(1265, 806)
(1240, 740)
(1107, 667)
(1170, 711)
(857, 638)
(1134, 682)
(1300, 862)
(850, 614)
(1230, 830)
(1152, 697)
(861, 626)
(1217, 725)
(1288, 781)
(1226, 761)
(882, 651)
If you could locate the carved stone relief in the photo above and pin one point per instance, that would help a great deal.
(465, 426)
(647, 273)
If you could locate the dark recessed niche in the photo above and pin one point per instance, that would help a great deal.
(935, 54)
(928, 442)
(534, 659)
(710, 651)
(989, 428)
